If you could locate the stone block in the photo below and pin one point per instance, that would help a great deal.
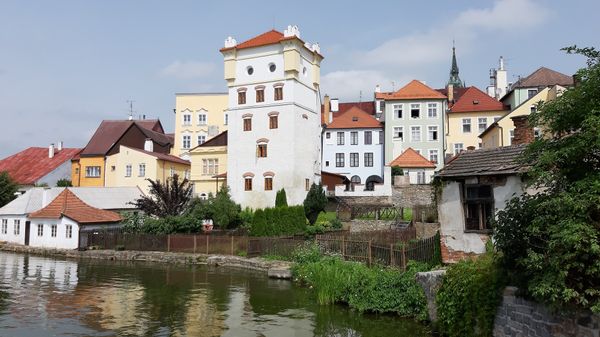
(280, 273)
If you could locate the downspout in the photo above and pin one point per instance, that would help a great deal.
(501, 135)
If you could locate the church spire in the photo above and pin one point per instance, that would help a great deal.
(454, 78)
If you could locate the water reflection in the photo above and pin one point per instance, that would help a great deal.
(44, 296)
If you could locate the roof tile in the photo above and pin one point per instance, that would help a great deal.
(30, 165)
(474, 99)
(413, 90)
(411, 158)
(353, 118)
(69, 205)
(496, 161)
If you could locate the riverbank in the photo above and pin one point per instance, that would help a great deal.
(273, 269)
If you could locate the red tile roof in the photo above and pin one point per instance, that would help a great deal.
(110, 131)
(69, 205)
(30, 165)
(352, 119)
(368, 107)
(413, 90)
(271, 37)
(473, 100)
(411, 158)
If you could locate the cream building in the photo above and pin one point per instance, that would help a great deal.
(209, 165)
(274, 135)
(198, 118)
(131, 167)
(501, 132)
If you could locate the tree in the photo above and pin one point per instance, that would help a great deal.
(550, 239)
(8, 188)
(64, 183)
(225, 212)
(281, 198)
(169, 198)
(315, 202)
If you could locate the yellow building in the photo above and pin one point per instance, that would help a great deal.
(131, 167)
(469, 115)
(209, 165)
(198, 118)
(501, 132)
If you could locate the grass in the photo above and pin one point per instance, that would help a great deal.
(406, 217)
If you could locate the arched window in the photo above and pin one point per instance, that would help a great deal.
(355, 179)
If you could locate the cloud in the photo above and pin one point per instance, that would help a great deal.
(188, 69)
(347, 85)
(505, 15)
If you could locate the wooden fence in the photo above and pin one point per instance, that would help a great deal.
(385, 236)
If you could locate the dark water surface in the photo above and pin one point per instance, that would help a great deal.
(56, 297)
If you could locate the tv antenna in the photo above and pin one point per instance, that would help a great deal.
(130, 102)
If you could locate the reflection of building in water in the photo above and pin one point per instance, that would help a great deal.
(202, 318)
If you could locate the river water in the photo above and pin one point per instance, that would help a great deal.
(56, 297)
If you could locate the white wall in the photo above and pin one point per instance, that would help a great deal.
(413, 174)
(60, 241)
(10, 236)
(63, 171)
(379, 190)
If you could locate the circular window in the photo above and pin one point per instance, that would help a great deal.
(250, 70)
(272, 67)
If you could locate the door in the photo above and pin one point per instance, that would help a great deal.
(27, 230)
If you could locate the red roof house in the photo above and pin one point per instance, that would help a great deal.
(67, 204)
(353, 118)
(413, 90)
(411, 159)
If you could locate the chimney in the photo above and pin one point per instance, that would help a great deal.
(148, 145)
(377, 89)
(471, 148)
(51, 151)
(523, 133)
(60, 146)
(327, 109)
(335, 105)
(450, 93)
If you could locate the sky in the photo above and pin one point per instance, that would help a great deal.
(67, 65)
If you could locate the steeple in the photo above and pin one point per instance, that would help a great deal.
(454, 78)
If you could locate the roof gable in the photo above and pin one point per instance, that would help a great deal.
(69, 205)
(110, 132)
(413, 90)
(496, 161)
(411, 158)
(353, 118)
(474, 99)
(32, 164)
(267, 38)
(544, 77)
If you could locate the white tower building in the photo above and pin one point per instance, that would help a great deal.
(274, 138)
(498, 81)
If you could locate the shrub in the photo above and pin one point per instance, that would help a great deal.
(278, 221)
(225, 212)
(336, 223)
(397, 171)
(8, 188)
(315, 202)
(469, 296)
(281, 198)
(63, 183)
(307, 253)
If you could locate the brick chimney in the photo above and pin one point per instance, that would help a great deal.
(327, 109)
(523, 131)
(450, 93)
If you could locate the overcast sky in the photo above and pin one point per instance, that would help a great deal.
(66, 65)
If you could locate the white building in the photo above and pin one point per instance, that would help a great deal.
(498, 81)
(274, 138)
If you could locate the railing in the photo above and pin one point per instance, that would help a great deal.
(386, 236)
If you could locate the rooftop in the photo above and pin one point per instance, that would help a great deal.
(544, 77)
(473, 99)
(485, 162)
(413, 90)
(411, 159)
(110, 131)
(69, 205)
(30, 165)
(353, 118)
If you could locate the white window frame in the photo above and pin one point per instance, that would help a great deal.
(342, 138)
(369, 159)
(354, 159)
(414, 128)
(412, 107)
(396, 130)
(186, 141)
(479, 123)
(40, 230)
(68, 231)
(128, 169)
(210, 166)
(187, 119)
(92, 171)
(53, 230)
(458, 149)
(202, 118)
(4, 226)
(201, 139)
(511, 136)
(434, 153)
(142, 170)
(430, 134)
(17, 227)
(432, 110)
(399, 107)
(353, 137)
(465, 122)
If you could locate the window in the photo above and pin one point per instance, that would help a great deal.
(128, 170)
(171, 172)
(511, 134)
(433, 156)
(532, 109)
(381, 137)
(210, 166)
(250, 70)
(466, 125)
(307, 184)
(420, 177)
(186, 174)
(327, 163)
(415, 110)
(415, 133)
(260, 95)
(226, 119)
(241, 97)
(202, 119)
(187, 119)
(497, 118)
(398, 111)
(355, 180)
(531, 93)
(113, 168)
(247, 124)
(432, 133)
(40, 230)
(261, 150)
(142, 172)
(4, 226)
(354, 138)
(68, 231)
(478, 206)
(339, 160)
(327, 135)
(354, 159)
(482, 123)
(368, 159)
(201, 139)
(432, 109)
(458, 147)
(381, 106)
(273, 122)
(278, 93)
(272, 67)
(398, 132)
(248, 184)
(368, 137)
(268, 183)
(53, 231)
(92, 171)
(340, 138)
(17, 227)
(187, 141)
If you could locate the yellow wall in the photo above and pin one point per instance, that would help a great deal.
(156, 169)
(215, 106)
(454, 130)
(78, 172)
(205, 183)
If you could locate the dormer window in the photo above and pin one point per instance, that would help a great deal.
(475, 102)
(355, 119)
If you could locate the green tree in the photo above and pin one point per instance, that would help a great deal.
(8, 188)
(281, 198)
(225, 212)
(64, 183)
(169, 198)
(550, 239)
(315, 202)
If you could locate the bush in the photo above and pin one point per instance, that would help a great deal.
(397, 171)
(307, 253)
(336, 223)
(278, 221)
(63, 183)
(469, 296)
(225, 212)
(281, 198)
(315, 202)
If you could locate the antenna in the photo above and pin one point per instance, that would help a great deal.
(130, 101)
(393, 86)
(360, 96)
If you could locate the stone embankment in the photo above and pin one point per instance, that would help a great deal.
(274, 269)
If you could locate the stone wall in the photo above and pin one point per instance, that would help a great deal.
(411, 195)
(520, 317)
(426, 229)
(358, 225)
(431, 282)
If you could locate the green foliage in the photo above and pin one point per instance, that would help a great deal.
(468, 297)
(63, 183)
(166, 225)
(8, 188)
(307, 253)
(281, 198)
(168, 198)
(336, 223)
(551, 240)
(397, 171)
(278, 221)
(377, 290)
(225, 212)
(315, 202)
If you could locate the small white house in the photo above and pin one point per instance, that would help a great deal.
(476, 184)
(415, 167)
